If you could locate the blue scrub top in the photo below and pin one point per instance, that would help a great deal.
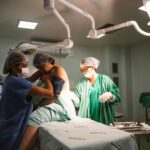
(15, 108)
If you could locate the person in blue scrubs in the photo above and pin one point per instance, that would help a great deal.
(15, 103)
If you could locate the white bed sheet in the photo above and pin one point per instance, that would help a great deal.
(84, 134)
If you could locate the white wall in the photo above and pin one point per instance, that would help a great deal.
(134, 72)
(140, 64)
(72, 62)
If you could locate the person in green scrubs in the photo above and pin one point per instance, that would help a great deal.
(97, 93)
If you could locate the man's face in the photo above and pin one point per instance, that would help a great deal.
(87, 71)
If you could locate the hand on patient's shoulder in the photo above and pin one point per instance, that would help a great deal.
(45, 78)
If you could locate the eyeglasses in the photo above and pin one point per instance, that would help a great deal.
(85, 68)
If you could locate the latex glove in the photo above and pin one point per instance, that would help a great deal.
(107, 96)
(74, 98)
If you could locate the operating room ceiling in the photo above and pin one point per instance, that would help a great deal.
(50, 29)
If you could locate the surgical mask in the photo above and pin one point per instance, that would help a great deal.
(25, 71)
(88, 74)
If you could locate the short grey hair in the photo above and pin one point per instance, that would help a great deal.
(14, 58)
(90, 61)
(42, 58)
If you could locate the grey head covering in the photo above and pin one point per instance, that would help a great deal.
(13, 58)
(42, 58)
(90, 61)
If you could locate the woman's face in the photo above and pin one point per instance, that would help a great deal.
(45, 67)
(17, 68)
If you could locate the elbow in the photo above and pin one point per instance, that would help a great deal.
(51, 94)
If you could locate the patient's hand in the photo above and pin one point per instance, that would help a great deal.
(48, 101)
(44, 102)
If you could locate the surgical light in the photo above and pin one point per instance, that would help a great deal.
(50, 5)
(146, 4)
(93, 33)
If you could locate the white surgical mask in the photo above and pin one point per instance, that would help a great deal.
(88, 74)
(25, 71)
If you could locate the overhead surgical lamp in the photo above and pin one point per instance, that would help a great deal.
(31, 47)
(50, 5)
(95, 34)
(146, 4)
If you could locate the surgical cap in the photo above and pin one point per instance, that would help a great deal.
(14, 58)
(42, 58)
(90, 61)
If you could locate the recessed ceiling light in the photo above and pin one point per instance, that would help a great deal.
(27, 25)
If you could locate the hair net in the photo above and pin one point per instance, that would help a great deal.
(42, 58)
(13, 58)
(90, 61)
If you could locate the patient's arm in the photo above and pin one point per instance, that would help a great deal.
(48, 101)
(57, 87)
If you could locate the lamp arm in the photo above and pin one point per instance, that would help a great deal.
(98, 33)
(138, 29)
(75, 8)
(62, 20)
(116, 27)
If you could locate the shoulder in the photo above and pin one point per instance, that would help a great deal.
(22, 80)
(19, 81)
(82, 81)
(58, 68)
(60, 72)
(107, 80)
(15, 80)
(105, 77)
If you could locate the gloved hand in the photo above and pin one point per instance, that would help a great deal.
(107, 96)
(74, 98)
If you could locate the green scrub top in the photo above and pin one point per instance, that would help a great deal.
(89, 105)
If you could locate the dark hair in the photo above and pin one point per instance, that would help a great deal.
(51, 60)
(41, 58)
(14, 58)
